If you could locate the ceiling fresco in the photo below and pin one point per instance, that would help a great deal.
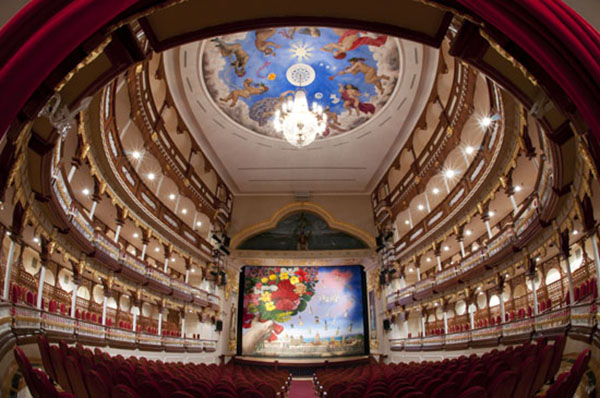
(351, 74)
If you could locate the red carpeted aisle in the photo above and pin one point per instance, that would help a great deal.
(301, 389)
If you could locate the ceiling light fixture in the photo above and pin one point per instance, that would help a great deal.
(487, 121)
(449, 173)
(406, 222)
(136, 154)
(428, 259)
(172, 196)
(36, 239)
(468, 232)
(135, 235)
(157, 249)
(420, 207)
(518, 188)
(469, 150)
(199, 224)
(446, 248)
(491, 213)
(298, 124)
(575, 232)
(151, 176)
(183, 211)
(435, 191)
(85, 191)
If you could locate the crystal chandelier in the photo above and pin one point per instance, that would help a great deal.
(298, 124)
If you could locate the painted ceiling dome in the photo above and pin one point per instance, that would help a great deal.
(351, 74)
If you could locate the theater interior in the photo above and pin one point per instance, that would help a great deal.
(316, 199)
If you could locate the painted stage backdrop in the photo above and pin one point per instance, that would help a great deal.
(302, 312)
(350, 73)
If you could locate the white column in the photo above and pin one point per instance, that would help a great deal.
(41, 286)
(445, 322)
(462, 248)
(570, 280)
(410, 221)
(422, 325)
(124, 131)
(439, 262)
(427, 203)
(514, 203)
(535, 298)
(160, 323)
(134, 321)
(177, 202)
(71, 173)
(166, 267)
(488, 228)
(418, 274)
(104, 304)
(447, 185)
(503, 316)
(471, 318)
(596, 260)
(9, 261)
(117, 233)
(144, 247)
(466, 158)
(195, 219)
(183, 326)
(93, 210)
(160, 180)
(74, 299)
(187, 275)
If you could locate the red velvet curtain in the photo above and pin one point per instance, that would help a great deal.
(44, 32)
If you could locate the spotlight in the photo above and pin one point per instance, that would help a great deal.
(435, 191)
(172, 196)
(151, 176)
(420, 207)
(199, 223)
(468, 232)
(428, 259)
(136, 154)
(406, 222)
(36, 239)
(485, 121)
(157, 249)
(446, 248)
(85, 191)
(518, 188)
(183, 211)
(193, 269)
(575, 232)
(449, 173)
(135, 235)
(469, 150)
(491, 213)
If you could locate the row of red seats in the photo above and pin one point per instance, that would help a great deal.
(586, 290)
(517, 372)
(87, 374)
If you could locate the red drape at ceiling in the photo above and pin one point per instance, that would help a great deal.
(44, 32)
(558, 39)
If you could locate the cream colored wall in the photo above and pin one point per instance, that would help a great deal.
(352, 209)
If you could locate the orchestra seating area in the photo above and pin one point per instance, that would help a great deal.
(81, 373)
(518, 372)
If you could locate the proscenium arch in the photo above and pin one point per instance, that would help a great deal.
(296, 207)
(549, 37)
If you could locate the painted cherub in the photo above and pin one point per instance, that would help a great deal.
(262, 44)
(236, 51)
(349, 40)
(358, 65)
(248, 90)
(350, 94)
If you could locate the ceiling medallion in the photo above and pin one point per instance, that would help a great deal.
(257, 77)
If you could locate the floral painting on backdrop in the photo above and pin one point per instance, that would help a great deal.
(295, 312)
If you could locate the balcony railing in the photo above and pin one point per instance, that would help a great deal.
(25, 320)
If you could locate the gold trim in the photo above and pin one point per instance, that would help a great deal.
(302, 206)
(85, 62)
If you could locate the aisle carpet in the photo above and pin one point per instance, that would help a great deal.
(301, 389)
